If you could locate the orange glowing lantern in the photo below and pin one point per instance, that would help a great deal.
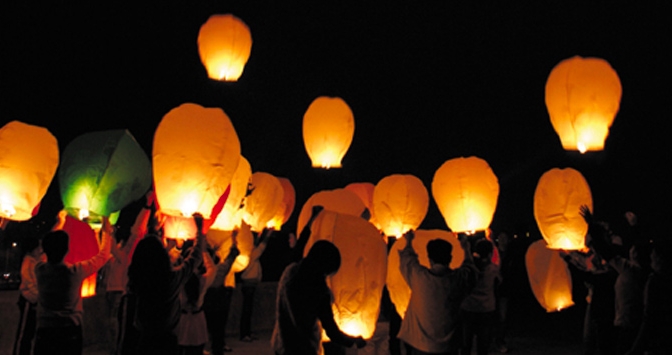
(82, 245)
(400, 204)
(224, 44)
(549, 277)
(196, 152)
(264, 200)
(338, 200)
(28, 163)
(358, 285)
(221, 241)
(328, 128)
(559, 195)
(286, 208)
(400, 293)
(582, 97)
(231, 215)
(465, 191)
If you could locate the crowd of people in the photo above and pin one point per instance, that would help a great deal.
(171, 297)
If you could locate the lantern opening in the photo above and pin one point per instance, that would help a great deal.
(7, 209)
(353, 328)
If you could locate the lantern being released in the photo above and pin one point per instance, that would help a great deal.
(559, 195)
(358, 284)
(400, 203)
(338, 200)
(465, 191)
(549, 277)
(328, 128)
(28, 163)
(196, 152)
(263, 201)
(102, 172)
(287, 207)
(231, 215)
(224, 44)
(82, 245)
(400, 293)
(582, 97)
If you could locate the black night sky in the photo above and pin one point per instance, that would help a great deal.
(427, 81)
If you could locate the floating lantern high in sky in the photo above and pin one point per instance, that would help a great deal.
(400, 293)
(224, 44)
(101, 173)
(328, 128)
(400, 203)
(358, 284)
(338, 200)
(286, 207)
(465, 191)
(582, 97)
(231, 215)
(28, 162)
(263, 201)
(549, 277)
(559, 195)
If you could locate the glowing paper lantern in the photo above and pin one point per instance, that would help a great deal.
(400, 204)
(231, 215)
(28, 162)
(549, 277)
(582, 97)
(264, 200)
(328, 128)
(221, 240)
(196, 152)
(358, 284)
(287, 207)
(400, 293)
(466, 191)
(224, 44)
(101, 173)
(559, 195)
(82, 245)
(338, 200)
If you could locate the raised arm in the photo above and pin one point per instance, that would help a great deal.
(297, 253)
(88, 267)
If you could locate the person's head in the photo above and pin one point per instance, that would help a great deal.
(31, 246)
(483, 250)
(150, 265)
(440, 251)
(323, 258)
(55, 245)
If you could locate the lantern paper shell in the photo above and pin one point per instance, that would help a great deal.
(82, 245)
(400, 293)
(224, 44)
(231, 215)
(328, 128)
(287, 207)
(582, 97)
(358, 284)
(549, 277)
(263, 202)
(400, 203)
(102, 172)
(178, 227)
(28, 162)
(559, 195)
(465, 191)
(196, 152)
(338, 200)
(221, 241)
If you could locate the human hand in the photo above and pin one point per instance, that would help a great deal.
(409, 235)
(234, 237)
(360, 342)
(150, 197)
(107, 227)
(198, 219)
(631, 217)
(584, 211)
(292, 240)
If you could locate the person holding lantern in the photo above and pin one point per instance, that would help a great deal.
(250, 278)
(60, 311)
(28, 297)
(436, 294)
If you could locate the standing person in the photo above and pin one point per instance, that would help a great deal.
(503, 291)
(436, 294)
(60, 311)
(250, 279)
(23, 345)
(156, 285)
(304, 303)
(478, 308)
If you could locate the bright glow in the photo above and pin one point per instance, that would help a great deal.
(89, 286)
(189, 205)
(353, 327)
(327, 159)
(581, 146)
(83, 213)
(563, 243)
(7, 209)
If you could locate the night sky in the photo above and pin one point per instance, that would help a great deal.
(427, 81)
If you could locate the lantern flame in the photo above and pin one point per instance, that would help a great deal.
(188, 205)
(83, 213)
(89, 286)
(353, 327)
(7, 209)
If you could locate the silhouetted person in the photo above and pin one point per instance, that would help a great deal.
(23, 345)
(250, 279)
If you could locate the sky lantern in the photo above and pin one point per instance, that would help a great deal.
(28, 163)
(287, 207)
(365, 192)
(224, 44)
(195, 155)
(264, 200)
(559, 195)
(82, 245)
(338, 200)
(328, 128)
(221, 241)
(231, 215)
(101, 173)
(583, 96)
(358, 284)
(400, 203)
(549, 277)
(465, 191)
(400, 293)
